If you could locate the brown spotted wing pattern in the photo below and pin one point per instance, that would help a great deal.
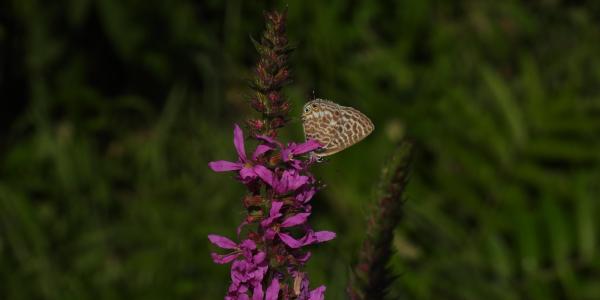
(334, 126)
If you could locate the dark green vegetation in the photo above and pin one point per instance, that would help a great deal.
(112, 109)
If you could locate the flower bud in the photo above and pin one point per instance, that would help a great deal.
(277, 122)
(284, 108)
(250, 201)
(256, 125)
(257, 104)
(275, 159)
(274, 97)
(281, 76)
(254, 236)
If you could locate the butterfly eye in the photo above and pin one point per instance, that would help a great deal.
(306, 109)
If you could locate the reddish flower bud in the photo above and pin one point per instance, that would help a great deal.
(254, 236)
(256, 125)
(257, 105)
(275, 159)
(280, 259)
(277, 122)
(254, 215)
(281, 76)
(253, 201)
(291, 201)
(271, 133)
(284, 108)
(274, 97)
(261, 70)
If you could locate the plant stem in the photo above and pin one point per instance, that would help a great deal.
(372, 276)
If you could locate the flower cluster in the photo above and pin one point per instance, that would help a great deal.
(268, 262)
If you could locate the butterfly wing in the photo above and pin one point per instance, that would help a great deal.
(351, 127)
(336, 127)
(319, 126)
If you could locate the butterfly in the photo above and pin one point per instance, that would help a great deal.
(334, 126)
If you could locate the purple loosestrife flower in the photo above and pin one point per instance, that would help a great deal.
(244, 248)
(246, 273)
(292, 150)
(301, 288)
(248, 169)
(273, 228)
(271, 249)
(273, 290)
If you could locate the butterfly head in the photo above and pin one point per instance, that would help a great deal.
(314, 107)
(309, 108)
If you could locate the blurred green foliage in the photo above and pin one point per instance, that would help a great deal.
(112, 109)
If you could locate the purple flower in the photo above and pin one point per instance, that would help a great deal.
(248, 272)
(318, 293)
(309, 238)
(313, 237)
(292, 150)
(307, 192)
(247, 275)
(249, 169)
(290, 181)
(301, 288)
(288, 187)
(245, 248)
(273, 290)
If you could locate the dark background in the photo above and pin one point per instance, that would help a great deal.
(111, 110)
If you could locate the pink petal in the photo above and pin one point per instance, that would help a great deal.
(248, 244)
(273, 290)
(260, 150)
(318, 293)
(295, 220)
(296, 164)
(259, 257)
(247, 173)
(265, 174)
(317, 237)
(275, 207)
(223, 165)
(238, 141)
(306, 147)
(290, 181)
(239, 228)
(273, 214)
(243, 297)
(286, 154)
(306, 195)
(324, 236)
(281, 185)
(303, 258)
(269, 140)
(290, 241)
(297, 181)
(270, 234)
(223, 259)
(222, 241)
(257, 293)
